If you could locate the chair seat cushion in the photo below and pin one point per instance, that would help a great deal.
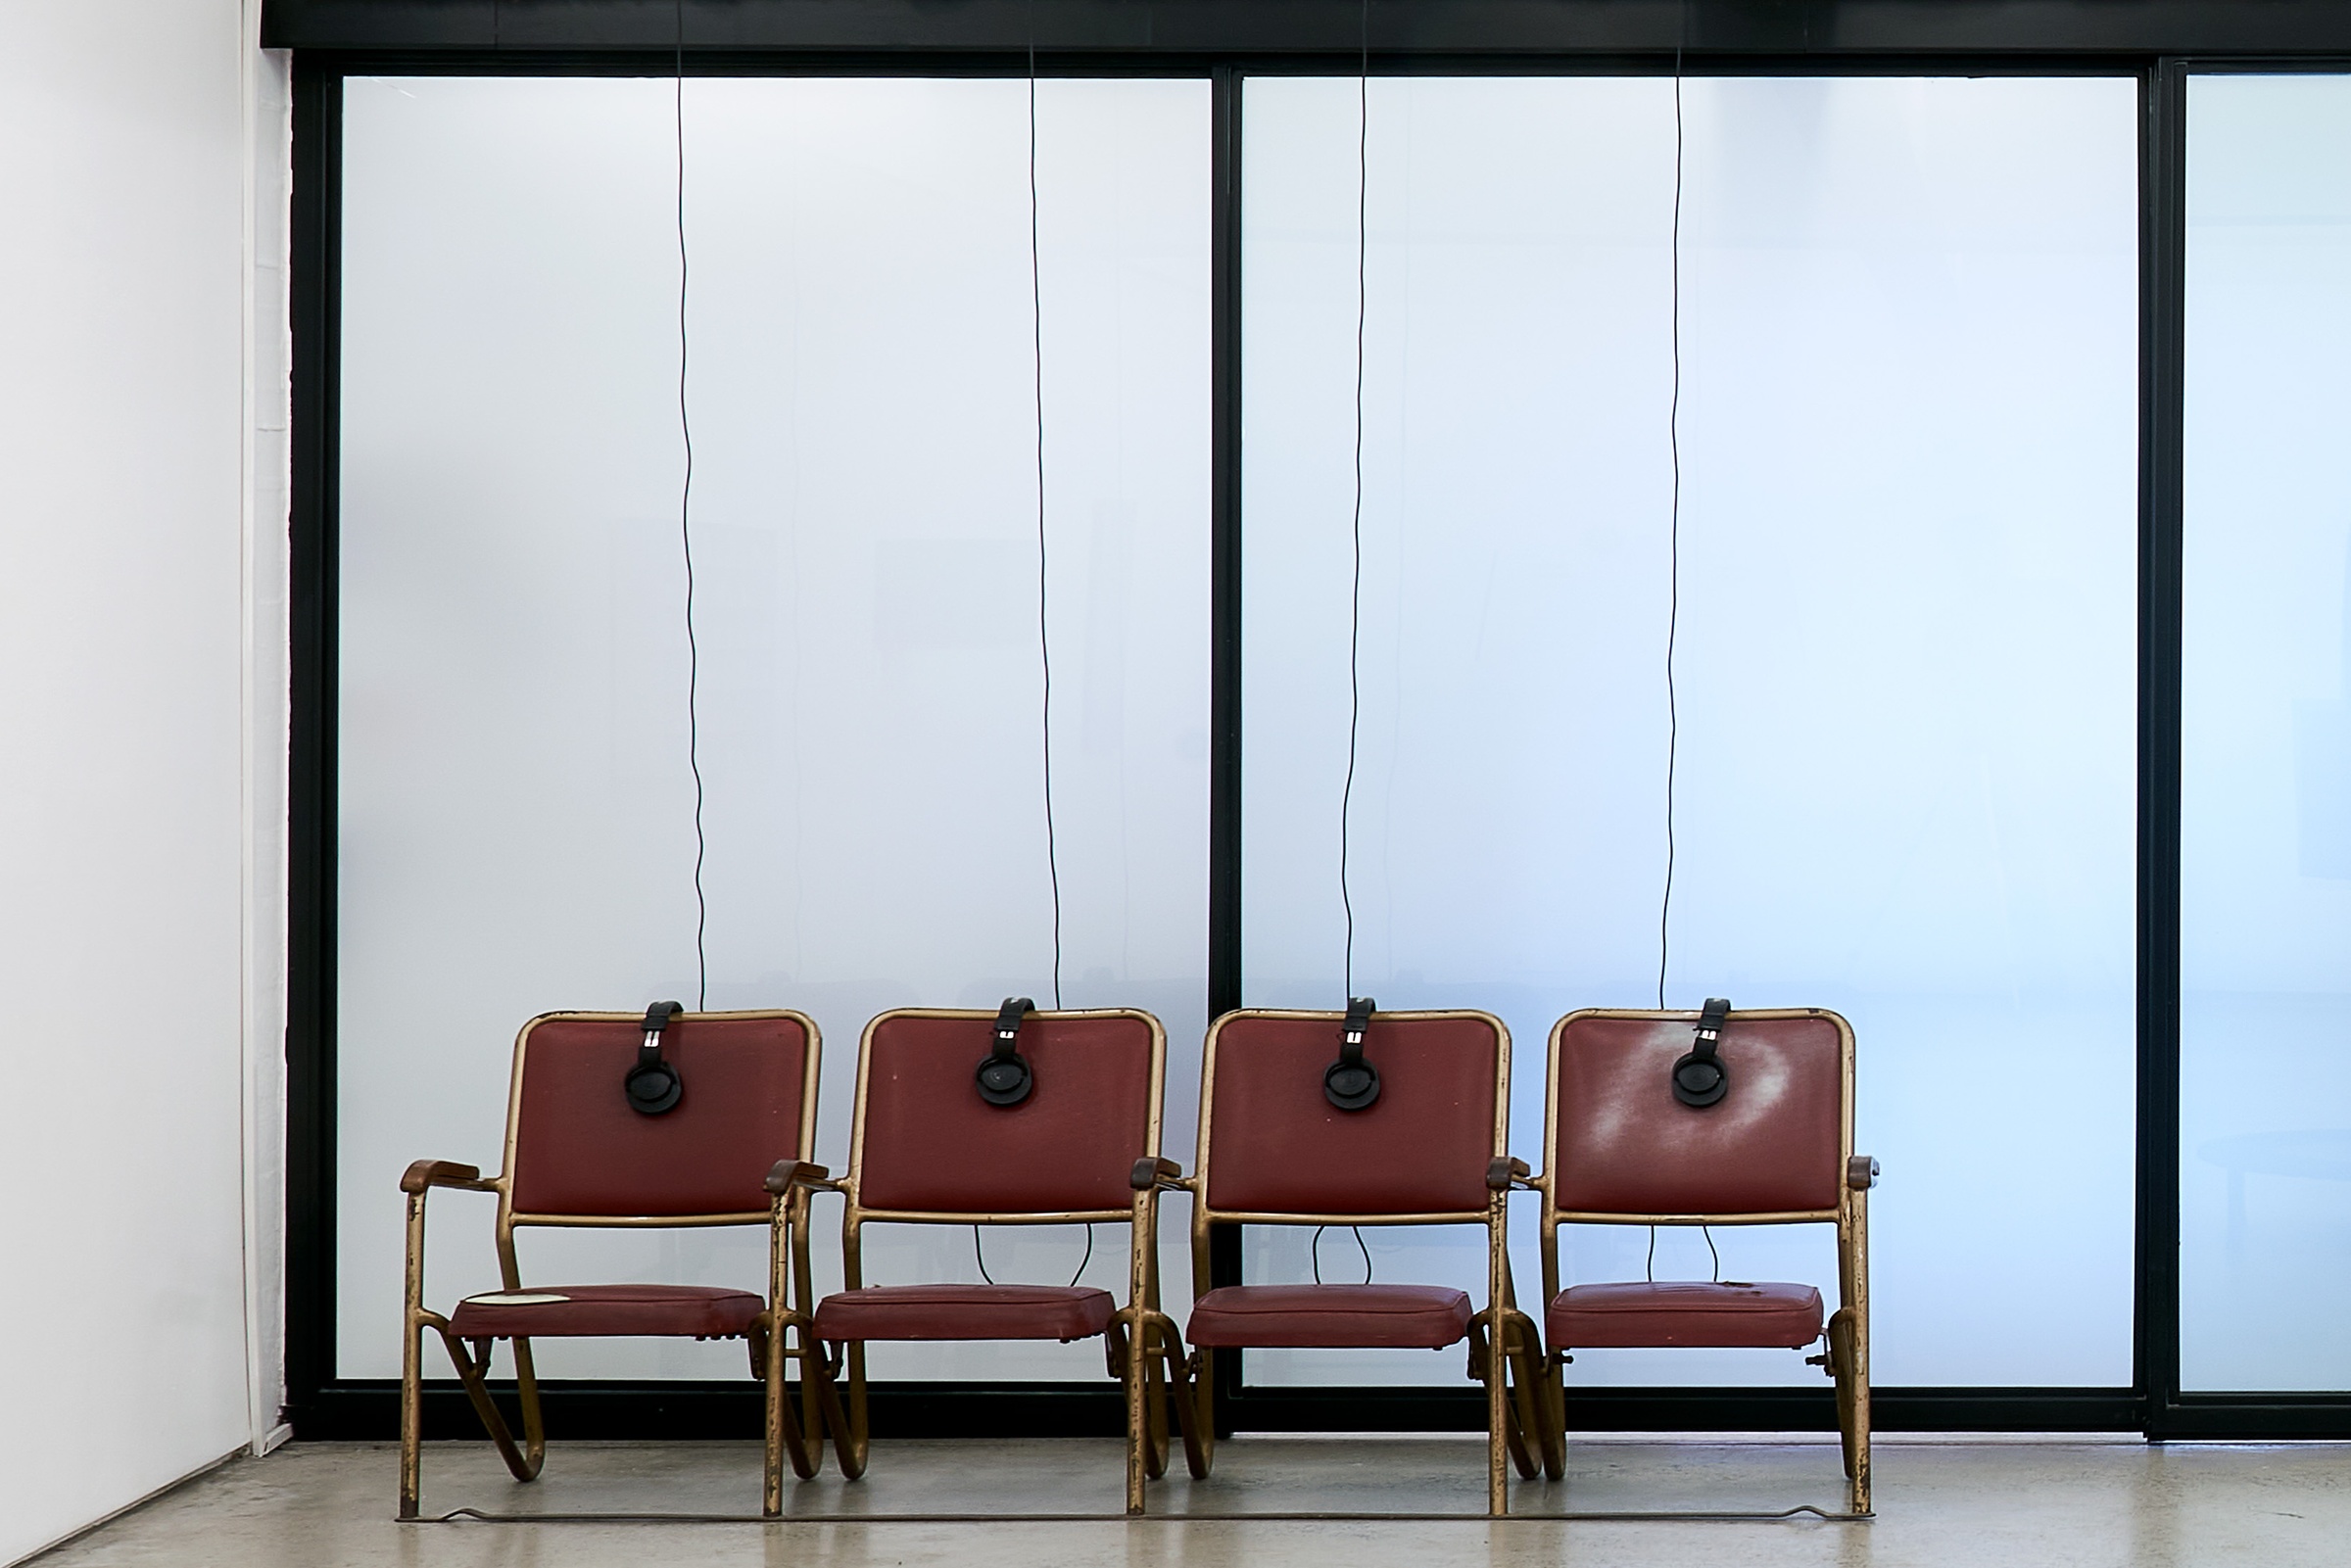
(1330, 1316)
(702, 1311)
(965, 1313)
(1724, 1315)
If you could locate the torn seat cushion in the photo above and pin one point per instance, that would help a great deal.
(553, 1311)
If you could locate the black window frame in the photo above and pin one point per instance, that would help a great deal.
(2157, 43)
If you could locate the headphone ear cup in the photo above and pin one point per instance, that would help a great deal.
(1005, 1080)
(1699, 1080)
(653, 1087)
(1351, 1085)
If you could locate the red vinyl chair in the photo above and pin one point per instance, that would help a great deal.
(1275, 1150)
(578, 1153)
(1081, 1145)
(1776, 1147)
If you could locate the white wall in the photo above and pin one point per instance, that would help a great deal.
(141, 697)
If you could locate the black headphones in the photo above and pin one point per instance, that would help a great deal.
(653, 1085)
(1352, 1083)
(1700, 1078)
(1005, 1077)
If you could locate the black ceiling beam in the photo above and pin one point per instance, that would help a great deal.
(1193, 29)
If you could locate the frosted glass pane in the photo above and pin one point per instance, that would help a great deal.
(516, 808)
(2265, 1126)
(1906, 670)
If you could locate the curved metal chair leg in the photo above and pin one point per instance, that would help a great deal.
(820, 1384)
(850, 1433)
(1155, 1406)
(526, 1393)
(1197, 1403)
(1528, 1415)
(522, 1464)
(804, 1433)
(1488, 1361)
(1187, 1414)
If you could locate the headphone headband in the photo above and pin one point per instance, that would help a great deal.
(1701, 1078)
(1352, 1083)
(652, 1086)
(1004, 1077)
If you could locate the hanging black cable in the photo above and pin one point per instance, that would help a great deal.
(1314, 1252)
(1045, 641)
(1673, 612)
(1354, 589)
(694, 657)
(1355, 599)
(981, 1258)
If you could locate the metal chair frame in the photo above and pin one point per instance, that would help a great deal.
(1847, 1359)
(1139, 1325)
(789, 1435)
(1512, 1402)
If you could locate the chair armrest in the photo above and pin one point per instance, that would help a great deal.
(1156, 1170)
(444, 1174)
(1861, 1172)
(1506, 1171)
(786, 1174)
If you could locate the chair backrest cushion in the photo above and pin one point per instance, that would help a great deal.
(1277, 1145)
(1774, 1144)
(579, 1150)
(928, 1143)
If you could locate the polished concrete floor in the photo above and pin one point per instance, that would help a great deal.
(1945, 1502)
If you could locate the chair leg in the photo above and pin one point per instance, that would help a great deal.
(1196, 1403)
(1488, 1366)
(813, 1386)
(820, 1386)
(803, 1431)
(1175, 1392)
(526, 1392)
(1853, 1408)
(1163, 1363)
(470, 1373)
(848, 1428)
(1499, 1447)
(763, 1338)
(1554, 1391)
(1529, 1414)
(412, 1418)
(783, 1431)
(1125, 1351)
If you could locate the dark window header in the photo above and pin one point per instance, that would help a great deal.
(1181, 29)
